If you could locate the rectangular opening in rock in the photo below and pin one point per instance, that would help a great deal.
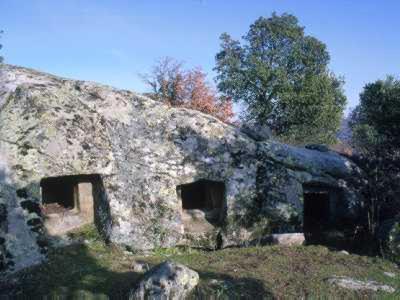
(203, 205)
(59, 192)
(68, 201)
(317, 212)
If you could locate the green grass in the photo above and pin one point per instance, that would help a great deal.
(256, 272)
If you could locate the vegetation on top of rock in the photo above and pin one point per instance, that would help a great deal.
(281, 76)
(171, 83)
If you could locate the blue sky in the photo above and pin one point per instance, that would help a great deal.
(113, 41)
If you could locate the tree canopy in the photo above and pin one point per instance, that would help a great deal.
(375, 121)
(281, 77)
(375, 125)
(171, 83)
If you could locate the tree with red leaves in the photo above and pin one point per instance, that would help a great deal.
(171, 84)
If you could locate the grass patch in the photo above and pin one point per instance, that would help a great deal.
(256, 272)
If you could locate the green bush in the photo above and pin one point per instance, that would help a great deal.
(392, 247)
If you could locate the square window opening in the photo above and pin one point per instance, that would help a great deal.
(203, 205)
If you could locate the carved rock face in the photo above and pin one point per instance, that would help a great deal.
(140, 151)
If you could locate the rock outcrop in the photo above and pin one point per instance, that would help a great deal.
(288, 239)
(359, 285)
(159, 176)
(168, 280)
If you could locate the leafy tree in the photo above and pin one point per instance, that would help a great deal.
(171, 84)
(375, 121)
(376, 136)
(281, 77)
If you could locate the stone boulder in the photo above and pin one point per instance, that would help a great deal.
(168, 280)
(257, 132)
(149, 174)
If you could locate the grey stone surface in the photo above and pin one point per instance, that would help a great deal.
(257, 132)
(168, 280)
(389, 274)
(353, 284)
(141, 151)
(18, 243)
(288, 239)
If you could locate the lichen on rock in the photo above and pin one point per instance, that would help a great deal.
(168, 280)
(140, 151)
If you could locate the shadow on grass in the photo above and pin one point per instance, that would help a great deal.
(221, 286)
(79, 271)
(72, 270)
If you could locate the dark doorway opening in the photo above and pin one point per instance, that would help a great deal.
(203, 204)
(68, 202)
(59, 190)
(316, 214)
(202, 194)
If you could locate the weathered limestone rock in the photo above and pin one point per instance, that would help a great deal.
(353, 284)
(20, 234)
(138, 154)
(287, 173)
(168, 280)
(288, 239)
(257, 132)
(389, 274)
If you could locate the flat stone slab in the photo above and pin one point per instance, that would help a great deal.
(390, 274)
(288, 239)
(359, 285)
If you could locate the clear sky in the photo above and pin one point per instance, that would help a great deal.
(113, 41)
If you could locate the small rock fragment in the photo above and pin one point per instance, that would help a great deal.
(389, 274)
(139, 266)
